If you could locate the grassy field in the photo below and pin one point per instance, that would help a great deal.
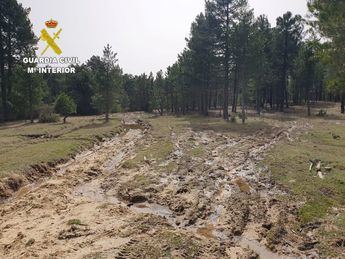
(324, 199)
(25, 144)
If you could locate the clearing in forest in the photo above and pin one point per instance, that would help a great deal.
(189, 187)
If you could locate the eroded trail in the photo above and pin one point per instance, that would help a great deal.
(208, 198)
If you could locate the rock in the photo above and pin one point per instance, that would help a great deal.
(30, 242)
(311, 226)
(253, 255)
(75, 231)
(267, 226)
(182, 190)
(335, 136)
(137, 198)
(318, 166)
(20, 235)
(307, 246)
(311, 167)
(328, 168)
(237, 231)
(178, 208)
(91, 173)
(340, 243)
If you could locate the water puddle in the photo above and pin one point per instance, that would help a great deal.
(214, 217)
(115, 161)
(94, 192)
(155, 209)
(260, 249)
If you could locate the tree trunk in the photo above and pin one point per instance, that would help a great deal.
(343, 103)
(234, 97)
(30, 100)
(107, 99)
(283, 92)
(258, 105)
(243, 106)
(2, 75)
(244, 89)
(308, 99)
(309, 111)
(226, 66)
(64, 119)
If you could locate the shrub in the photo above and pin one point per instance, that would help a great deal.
(47, 115)
(65, 106)
(49, 118)
(240, 116)
(322, 113)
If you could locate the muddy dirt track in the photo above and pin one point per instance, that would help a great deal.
(218, 202)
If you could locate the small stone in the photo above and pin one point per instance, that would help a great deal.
(30, 242)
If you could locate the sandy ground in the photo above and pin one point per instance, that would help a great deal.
(218, 204)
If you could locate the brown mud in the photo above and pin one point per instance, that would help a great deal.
(219, 203)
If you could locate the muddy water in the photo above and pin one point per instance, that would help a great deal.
(115, 161)
(94, 192)
(155, 209)
(260, 249)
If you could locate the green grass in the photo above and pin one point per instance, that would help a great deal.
(201, 123)
(196, 151)
(323, 199)
(75, 222)
(289, 164)
(162, 147)
(157, 151)
(19, 148)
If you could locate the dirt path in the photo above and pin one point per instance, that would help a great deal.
(210, 198)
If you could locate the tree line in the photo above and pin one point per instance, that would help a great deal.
(232, 61)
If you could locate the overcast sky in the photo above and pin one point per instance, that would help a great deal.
(147, 34)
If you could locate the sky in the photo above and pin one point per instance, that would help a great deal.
(146, 34)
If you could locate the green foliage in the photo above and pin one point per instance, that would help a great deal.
(329, 22)
(27, 93)
(108, 76)
(16, 41)
(159, 99)
(49, 118)
(230, 59)
(75, 222)
(65, 106)
(47, 115)
(80, 86)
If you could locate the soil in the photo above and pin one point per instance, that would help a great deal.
(221, 203)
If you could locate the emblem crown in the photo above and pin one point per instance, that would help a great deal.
(51, 23)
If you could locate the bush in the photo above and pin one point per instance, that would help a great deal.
(49, 118)
(240, 115)
(322, 113)
(47, 115)
(65, 106)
